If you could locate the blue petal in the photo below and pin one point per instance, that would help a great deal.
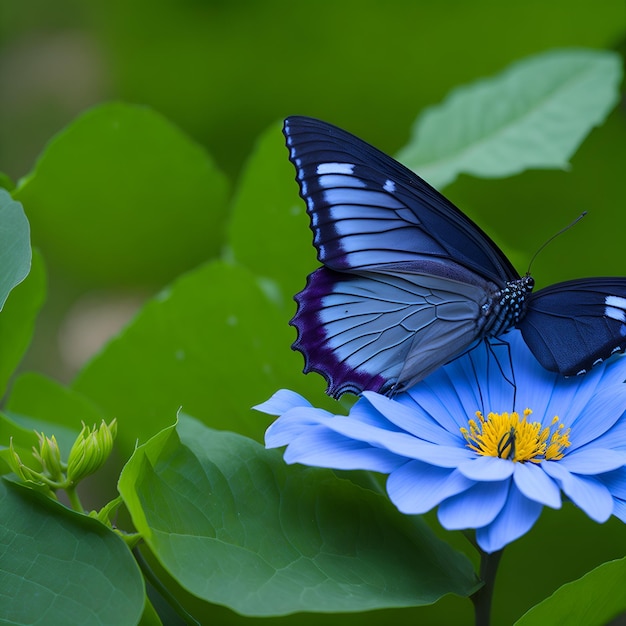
(412, 420)
(281, 402)
(615, 482)
(292, 424)
(550, 394)
(516, 366)
(365, 413)
(475, 507)
(447, 397)
(592, 460)
(417, 487)
(598, 416)
(483, 468)
(321, 447)
(619, 510)
(399, 443)
(613, 370)
(585, 492)
(536, 485)
(615, 438)
(516, 518)
(455, 392)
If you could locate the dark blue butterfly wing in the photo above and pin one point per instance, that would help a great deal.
(368, 210)
(408, 277)
(370, 330)
(410, 282)
(572, 326)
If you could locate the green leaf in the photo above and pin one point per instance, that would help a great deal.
(6, 182)
(150, 617)
(40, 403)
(15, 252)
(59, 567)
(237, 526)
(24, 437)
(122, 197)
(17, 321)
(212, 343)
(269, 228)
(535, 114)
(594, 599)
(37, 403)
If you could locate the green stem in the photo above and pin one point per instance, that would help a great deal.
(482, 598)
(156, 582)
(72, 496)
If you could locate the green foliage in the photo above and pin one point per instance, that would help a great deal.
(37, 402)
(15, 253)
(534, 115)
(236, 526)
(193, 346)
(267, 202)
(593, 600)
(128, 194)
(121, 197)
(61, 567)
(18, 317)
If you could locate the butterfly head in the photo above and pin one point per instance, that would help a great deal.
(527, 282)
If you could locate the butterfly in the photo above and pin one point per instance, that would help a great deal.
(409, 282)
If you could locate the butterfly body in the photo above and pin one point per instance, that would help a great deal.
(409, 282)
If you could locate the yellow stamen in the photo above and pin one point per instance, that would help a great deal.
(506, 436)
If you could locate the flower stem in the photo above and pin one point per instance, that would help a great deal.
(72, 496)
(482, 598)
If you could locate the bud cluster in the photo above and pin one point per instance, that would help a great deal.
(89, 452)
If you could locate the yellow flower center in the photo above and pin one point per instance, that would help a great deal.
(507, 436)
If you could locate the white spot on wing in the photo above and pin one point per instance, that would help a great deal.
(340, 180)
(335, 168)
(616, 301)
(615, 308)
(363, 197)
(389, 186)
(616, 314)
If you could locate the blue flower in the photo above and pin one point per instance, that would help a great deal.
(453, 441)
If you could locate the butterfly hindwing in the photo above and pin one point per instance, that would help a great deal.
(376, 331)
(572, 326)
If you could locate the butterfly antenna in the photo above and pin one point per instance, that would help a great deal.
(563, 230)
(545, 243)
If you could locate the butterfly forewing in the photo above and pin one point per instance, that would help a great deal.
(367, 209)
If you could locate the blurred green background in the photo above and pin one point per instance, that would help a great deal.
(224, 73)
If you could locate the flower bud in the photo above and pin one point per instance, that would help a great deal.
(22, 471)
(90, 450)
(49, 456)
